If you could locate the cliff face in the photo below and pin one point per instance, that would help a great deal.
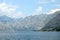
(53, 23)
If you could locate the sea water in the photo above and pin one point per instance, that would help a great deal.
(30, 36)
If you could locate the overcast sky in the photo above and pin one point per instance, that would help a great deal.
(22, 8)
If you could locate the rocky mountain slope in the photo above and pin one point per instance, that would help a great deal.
(23, 24)
(29, 23)
(53, 23)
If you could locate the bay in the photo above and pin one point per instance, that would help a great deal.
(30, 36)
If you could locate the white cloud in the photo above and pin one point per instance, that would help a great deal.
(42, 1)
(5, 8)
(53, 0)
(9, 10)
(17, 15)
(52, 11)
(45, 1)
(38, 11)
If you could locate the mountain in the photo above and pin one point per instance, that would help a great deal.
(6, 19)
(33, 22)
(53, 23)
(30, 23)
(6, 24)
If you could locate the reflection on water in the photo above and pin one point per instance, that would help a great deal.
(55, 36)
(30, 36)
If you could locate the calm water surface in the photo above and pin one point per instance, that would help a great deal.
(30, 36)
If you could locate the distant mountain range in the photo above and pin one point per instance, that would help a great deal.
(30, 23)
(6, 19)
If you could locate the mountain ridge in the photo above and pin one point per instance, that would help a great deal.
(53, 23)
(29, 23)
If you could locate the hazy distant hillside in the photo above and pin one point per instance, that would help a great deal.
(29, 23)
(6, 19)
(54, 22)
(23, 24)
(33, 22)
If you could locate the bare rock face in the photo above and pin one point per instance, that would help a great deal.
(53, 23)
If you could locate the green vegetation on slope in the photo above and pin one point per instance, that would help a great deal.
(57, 28)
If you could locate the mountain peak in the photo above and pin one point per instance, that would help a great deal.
(5, 18)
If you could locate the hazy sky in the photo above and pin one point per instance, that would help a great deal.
(22, 8)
